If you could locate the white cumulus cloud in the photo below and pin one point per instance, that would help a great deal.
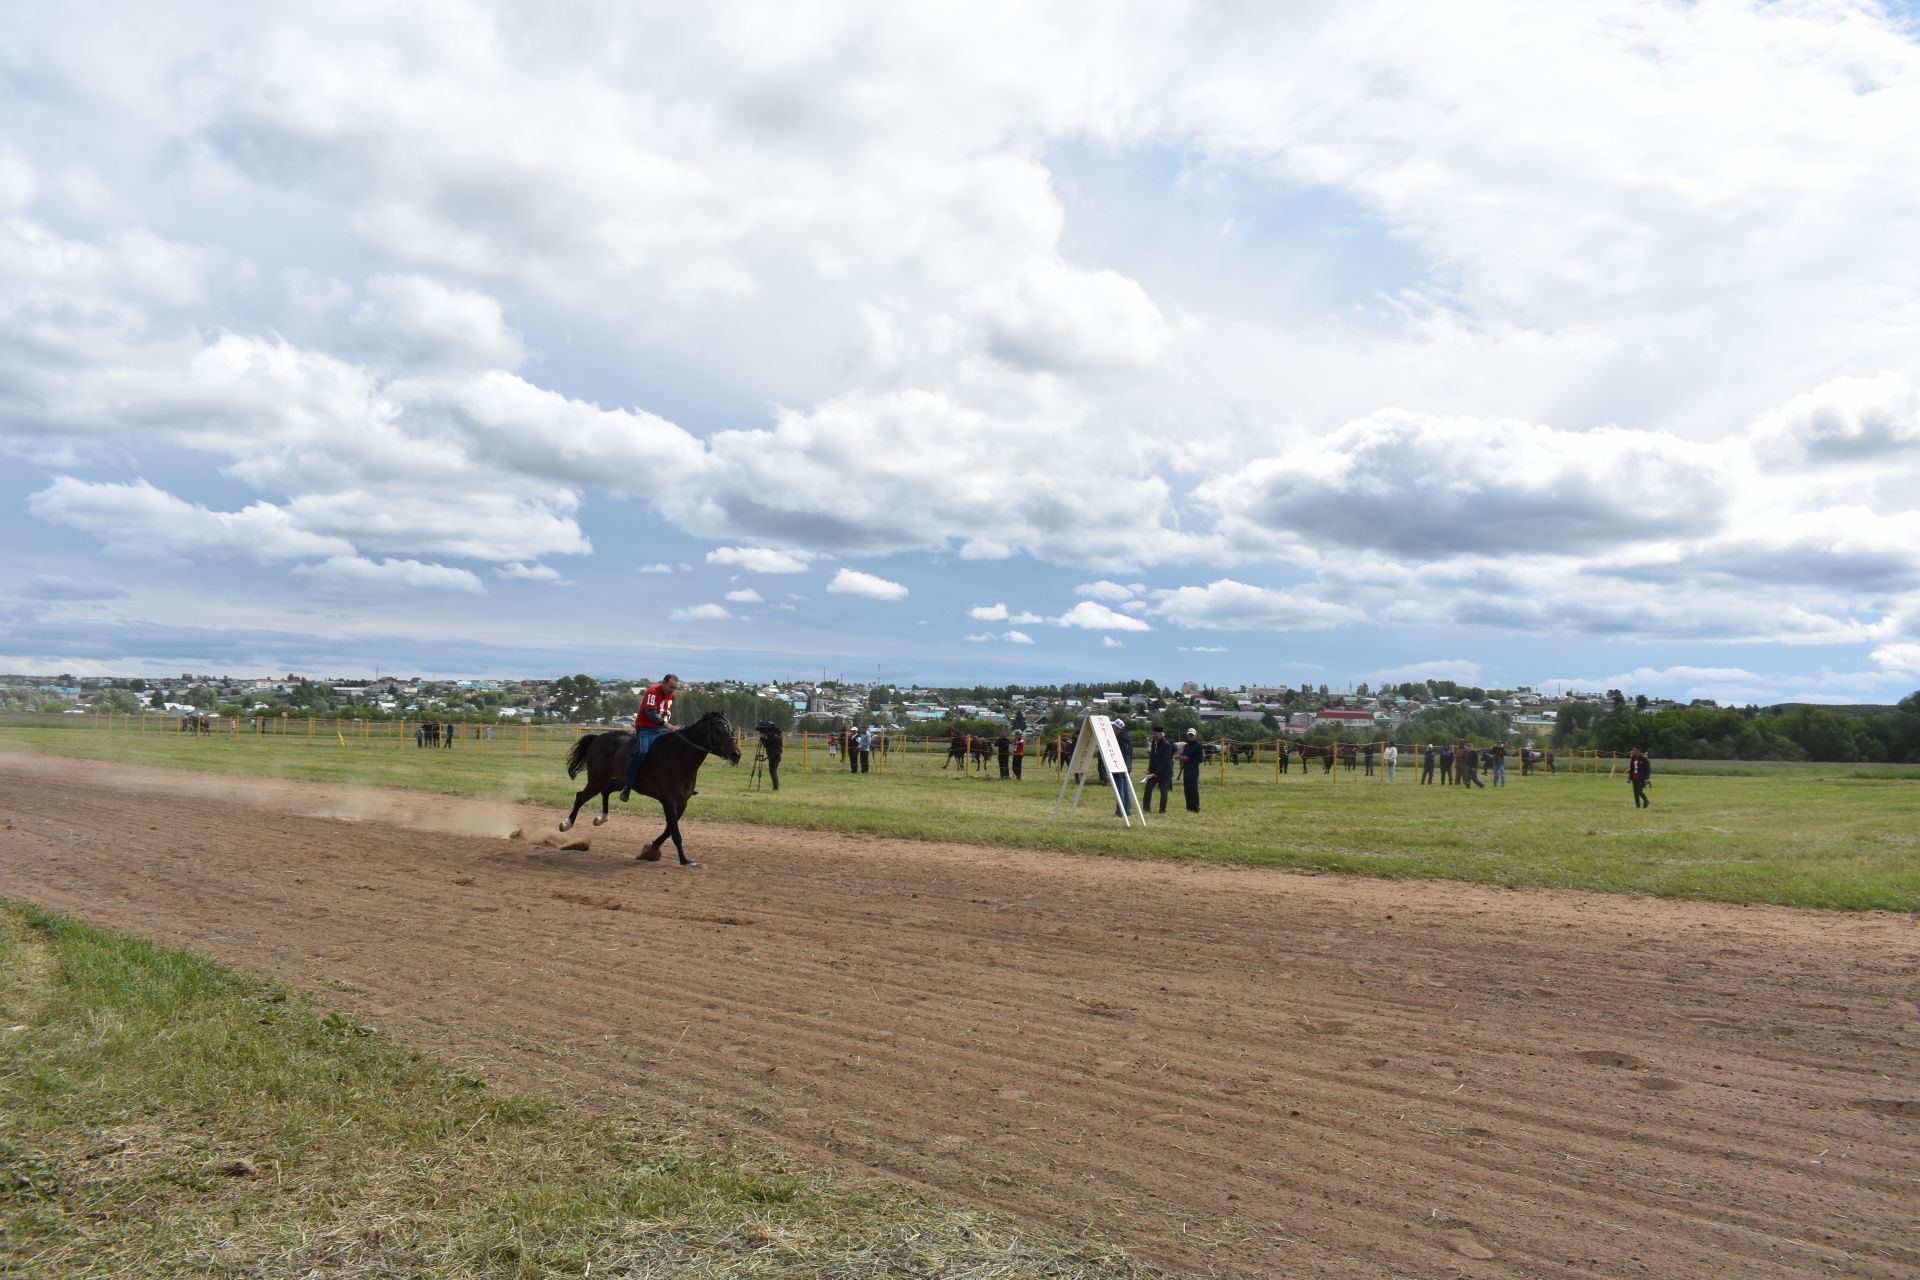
(761, 559)
(852, 582)
(700, 613)
(1227, 605)
(357, 573)
(1098, 617)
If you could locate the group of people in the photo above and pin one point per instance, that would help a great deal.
(1161, 755)
(1462, 763)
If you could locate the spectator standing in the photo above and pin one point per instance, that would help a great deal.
(852, 736)
(1640, 774)
(1390, 757)
(1191, 758)
(1446, 765)
(1159, 769)
(1466, 766)
(866, 750)
(1367, 756)
(1498, 754)
(1019, 753)
(1003, 750)
(1428, 759)
(1123, 783)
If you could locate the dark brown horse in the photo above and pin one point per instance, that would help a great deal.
(667, 774)
(1348, 753)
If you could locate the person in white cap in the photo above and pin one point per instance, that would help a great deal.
(1191, 756)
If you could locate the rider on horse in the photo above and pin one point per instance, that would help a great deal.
(655, 718)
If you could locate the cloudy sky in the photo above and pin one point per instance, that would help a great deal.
(1511, 343)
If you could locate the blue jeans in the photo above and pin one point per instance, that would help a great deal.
(1499, 773)
(1124, 784)
(643, 741)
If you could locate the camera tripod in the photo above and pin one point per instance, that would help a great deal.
(753, 782)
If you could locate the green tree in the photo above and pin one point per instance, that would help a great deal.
(576, 698)
(1571, 723)
(115, 702)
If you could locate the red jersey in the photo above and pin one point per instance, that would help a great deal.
(656, 709)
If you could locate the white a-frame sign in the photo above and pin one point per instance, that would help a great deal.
(1096, 735)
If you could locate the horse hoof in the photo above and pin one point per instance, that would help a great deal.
(602, 818)
(689, 866)
(567, 825)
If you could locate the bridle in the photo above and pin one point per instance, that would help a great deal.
(703, 749)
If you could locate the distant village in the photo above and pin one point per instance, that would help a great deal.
(822, 705)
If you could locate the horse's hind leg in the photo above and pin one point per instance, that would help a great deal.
(585, 794)
(606, 797)
(651, 852)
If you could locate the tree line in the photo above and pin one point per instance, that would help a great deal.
(1750, 733)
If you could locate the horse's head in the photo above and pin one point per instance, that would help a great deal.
(713, 732)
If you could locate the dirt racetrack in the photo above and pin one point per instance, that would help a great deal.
(1231, 1072)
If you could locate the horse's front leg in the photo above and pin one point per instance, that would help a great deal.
(673, 829)
(606, 798)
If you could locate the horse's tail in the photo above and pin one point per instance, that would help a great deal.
(577, 758)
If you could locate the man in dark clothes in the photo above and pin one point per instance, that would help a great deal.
(1003, 748)
(1191, 756)
(1367, 754)
(1466, 766)
(774, 744)
(1446, 765)
(1428, 759)
(1123, 783)
(1640, 774)
(1159, 769)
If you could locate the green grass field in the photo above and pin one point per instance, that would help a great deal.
(163, 1116)
(1807, 835)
